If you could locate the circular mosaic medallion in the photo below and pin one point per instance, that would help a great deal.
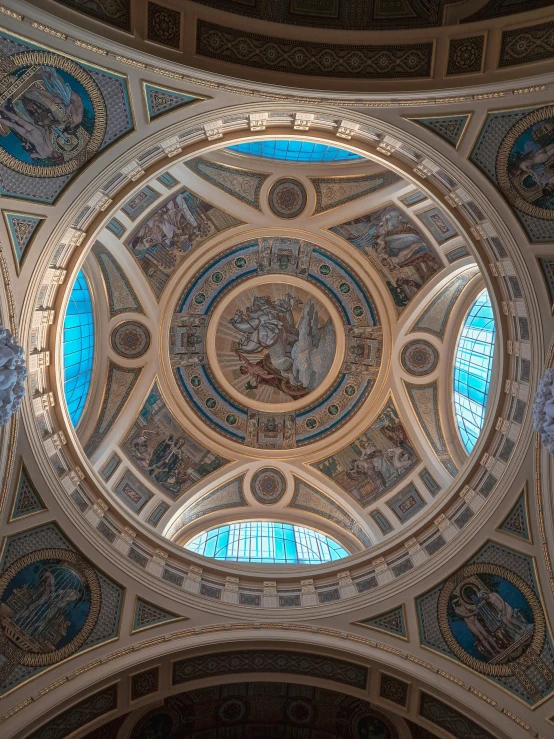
(419, 358)
(268, 486)
(491, 620)
(287, 198)
(130, 339)
(523, 165)
(53, 116)
(50, 603)
(274, 342)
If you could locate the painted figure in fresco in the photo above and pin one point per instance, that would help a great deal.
(45, 114)
(275, 352)
(495, 624)
(172, 227)
(388, 237)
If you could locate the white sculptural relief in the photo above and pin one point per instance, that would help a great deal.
(12, 376)
(543, 411)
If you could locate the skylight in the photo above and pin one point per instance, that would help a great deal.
(267, 542)
(472, 370)
(293, 150)
(78, 348)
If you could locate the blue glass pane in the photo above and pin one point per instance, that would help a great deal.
(472, 370)
(295, 151)
(78, 348)
(267, 542)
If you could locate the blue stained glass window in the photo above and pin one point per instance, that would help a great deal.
(267, 542)
(78, 348)
(293, 150)
(472, 370)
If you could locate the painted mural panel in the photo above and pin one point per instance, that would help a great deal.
(56, 114)
(374, 463)
(396, 247)
(489, 616)
(275, 343)
(162, 240)
(53, 603)
(164, 452)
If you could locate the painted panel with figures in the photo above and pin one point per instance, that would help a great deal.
(396, 247)
(374, 463)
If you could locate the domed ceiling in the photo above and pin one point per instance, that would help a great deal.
(273, 330)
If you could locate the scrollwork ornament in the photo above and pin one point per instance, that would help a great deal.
(543, 410)
(12, 375)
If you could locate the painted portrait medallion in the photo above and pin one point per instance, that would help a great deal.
(491, 619)
(52, 115)
(275, 343)
(525, 164)
(49, 605)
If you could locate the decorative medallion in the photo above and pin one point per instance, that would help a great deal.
(130, 339)
(492, 620)
(232, 710)
(275, 343)
(53, 116)
(49, 605)
(268, 486)
(287, 198)
(522, 165)
(419, 358)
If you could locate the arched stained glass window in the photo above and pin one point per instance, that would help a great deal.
(267, 542)
(78, 348)
(472, 370)
(293, 150)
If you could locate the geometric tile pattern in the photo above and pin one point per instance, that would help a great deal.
(164, 25)
(120, 382)
(434, 319)
(449, 128)
(79, 715)
(547, 268)
(161, 100)
(449, 720)
(465, 55)
(394, 690)
(115, 12)
(333, 60)
(391, 622)
(26, 500)
(425, 403)
(331, 192)
(148, 615)
(269, 660)
(516, 522)
(307, 498)
(524, 45)
(228, 495)
(21, 229)
(144, 683)
(240, 183)
(121, 296)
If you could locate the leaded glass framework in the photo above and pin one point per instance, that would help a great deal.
(267, 542)
(78, 348)
(293, 150)
(473, 369)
